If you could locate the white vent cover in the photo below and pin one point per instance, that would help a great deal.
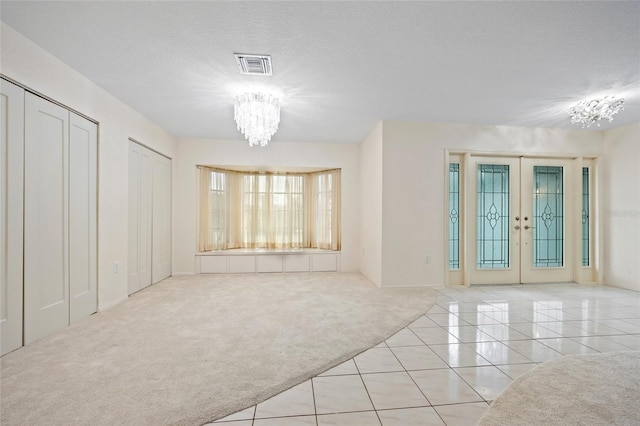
(254, 64)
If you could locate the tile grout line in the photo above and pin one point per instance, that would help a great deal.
(477, 366)
(313, 395)
(530, 339)
(458, 374)
(411, 377)
(365, 387)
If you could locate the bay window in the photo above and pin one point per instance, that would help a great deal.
(269, 210)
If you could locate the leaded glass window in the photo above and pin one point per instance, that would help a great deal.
(493, 216)
(548, 217)
(585, 216)
(454, 216)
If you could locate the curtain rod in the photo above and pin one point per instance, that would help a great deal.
(257, 172)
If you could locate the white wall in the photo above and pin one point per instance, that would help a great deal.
(371, 206)
(621, 206)
(30, 65)
(193, 152)
(413, 186)
(397, 219)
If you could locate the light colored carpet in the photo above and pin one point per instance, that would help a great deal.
(591, 389)
(192, 349)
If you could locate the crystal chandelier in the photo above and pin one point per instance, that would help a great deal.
(586, 113)
(257, 116)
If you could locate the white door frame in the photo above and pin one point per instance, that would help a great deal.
(591, 273)
(528, 272)
(511, 227)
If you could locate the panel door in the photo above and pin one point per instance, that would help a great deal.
(495, 199)
(140, 217)
(11, 215)
(83, 144)
(46, 237)
(161, 244)
(520, 224)
(547, 220)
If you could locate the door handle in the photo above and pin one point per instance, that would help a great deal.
(528, 227)
(517, 227)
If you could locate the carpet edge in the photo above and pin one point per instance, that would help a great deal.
(329, 365)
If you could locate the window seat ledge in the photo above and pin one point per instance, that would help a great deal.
(266, 260)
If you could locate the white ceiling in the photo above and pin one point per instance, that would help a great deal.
(341, 67)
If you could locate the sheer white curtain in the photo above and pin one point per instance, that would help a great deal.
(284, 211)
(214, 209)
(324, 226)
(273, 211)
(234, 207)
(205, 242)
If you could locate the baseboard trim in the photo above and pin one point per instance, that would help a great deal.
(623, 286)
(112, 304)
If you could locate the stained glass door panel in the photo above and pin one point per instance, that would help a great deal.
(585, 217)
(495, 199)
(547, 243)
(520, 220)
(548, 217)
(454, 216)
(493, 216)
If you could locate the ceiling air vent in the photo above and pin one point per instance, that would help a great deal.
(254, 64)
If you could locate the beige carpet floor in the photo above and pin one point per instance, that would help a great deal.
(192, 349)
(591, 389)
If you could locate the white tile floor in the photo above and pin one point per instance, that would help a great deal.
(447, 366)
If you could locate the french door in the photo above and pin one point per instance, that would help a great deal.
(519, 220)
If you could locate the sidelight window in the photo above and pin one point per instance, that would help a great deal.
(454, 216)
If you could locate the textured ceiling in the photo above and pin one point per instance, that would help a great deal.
(340, 67)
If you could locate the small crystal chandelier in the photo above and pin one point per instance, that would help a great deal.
(257, 116)
(586, 113)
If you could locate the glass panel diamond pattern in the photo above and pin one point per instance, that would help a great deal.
(548, 218)
(585, 216)
(454, 216)
(493, 217)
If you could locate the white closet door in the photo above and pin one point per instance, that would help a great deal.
(83, 144)
(11, 220)
(161, 246)
(140, 217)
(46, 238)
(133, 268)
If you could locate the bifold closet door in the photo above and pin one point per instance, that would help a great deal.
(46, 236)
(11, 215)
(140, 217)
(83, 273)
(149, 217)
(161, 243)
(60, 218)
